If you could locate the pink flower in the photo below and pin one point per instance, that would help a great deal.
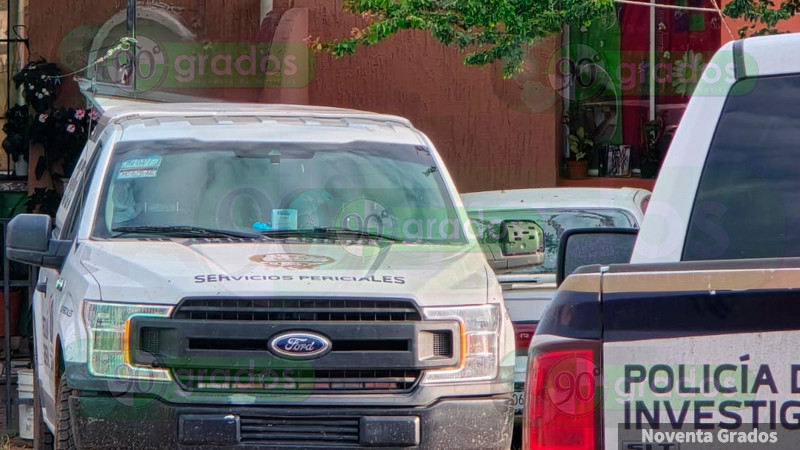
(43, 117)
(80, 113)
(71, 128)
(94, 115)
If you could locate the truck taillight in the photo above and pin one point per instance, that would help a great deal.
(523, 333)
(563, 393)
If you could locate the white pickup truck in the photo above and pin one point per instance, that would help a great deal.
(263, 276)
(528, 290)
(693, 344)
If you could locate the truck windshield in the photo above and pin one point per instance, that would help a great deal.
(233, 188)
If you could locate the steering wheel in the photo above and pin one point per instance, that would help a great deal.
(315, 207)
(241, 207)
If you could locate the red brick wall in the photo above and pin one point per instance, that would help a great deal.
(489, 139)
(485, 142)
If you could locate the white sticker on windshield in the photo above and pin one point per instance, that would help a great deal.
(284, 219)
(139, 168)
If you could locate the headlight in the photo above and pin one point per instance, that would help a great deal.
(480, 334)
(108, 339)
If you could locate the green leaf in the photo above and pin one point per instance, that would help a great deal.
(502, 30)
(489, 30)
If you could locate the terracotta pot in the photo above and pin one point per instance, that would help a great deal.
(578, 169)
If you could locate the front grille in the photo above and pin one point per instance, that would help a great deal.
(299, 382)
(312, 430)
(376, 346)
(282, 309)
(338, 345)
(442, 344)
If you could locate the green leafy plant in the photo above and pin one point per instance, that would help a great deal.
(500, 30)
(580, 144)
(496, 30)
(763, 16)
(62, 132)
(17, 129)
(583, 131)
(37, 81)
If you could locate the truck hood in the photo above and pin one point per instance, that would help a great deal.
(164, 271)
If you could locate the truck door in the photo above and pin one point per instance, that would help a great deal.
(51, 302)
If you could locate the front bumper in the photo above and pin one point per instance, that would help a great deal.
(458, 423)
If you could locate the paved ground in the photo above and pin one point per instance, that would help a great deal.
(9, 437)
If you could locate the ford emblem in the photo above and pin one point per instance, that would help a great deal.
(300, 345)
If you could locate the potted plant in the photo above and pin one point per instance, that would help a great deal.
(586, 127)
(579, 146)
(654, 142)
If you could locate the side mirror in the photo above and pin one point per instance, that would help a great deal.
(587, 246)
(514, 244)
(28, 241)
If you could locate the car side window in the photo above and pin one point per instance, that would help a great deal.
(746, 202)
(77, 190)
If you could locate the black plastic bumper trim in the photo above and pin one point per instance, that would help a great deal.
(175, 336)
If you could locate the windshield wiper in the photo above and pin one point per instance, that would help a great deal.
(331, 232)
(181, 231)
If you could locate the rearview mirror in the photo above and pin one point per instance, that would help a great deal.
(513, 244)
(587, 246)
(29, 242)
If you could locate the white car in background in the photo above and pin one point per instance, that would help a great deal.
(528, 291)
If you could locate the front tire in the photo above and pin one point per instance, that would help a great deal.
(64, 439)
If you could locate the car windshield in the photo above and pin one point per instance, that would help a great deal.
(555, 221)
(234, 188)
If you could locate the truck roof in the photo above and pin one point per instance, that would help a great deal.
(767, 55)
(156, 110)
(258, 121)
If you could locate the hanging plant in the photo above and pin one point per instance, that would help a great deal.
(38, 80)
(62, 132)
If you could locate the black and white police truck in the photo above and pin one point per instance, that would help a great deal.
(694, 343)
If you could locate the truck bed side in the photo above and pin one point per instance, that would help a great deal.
(701, 347)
